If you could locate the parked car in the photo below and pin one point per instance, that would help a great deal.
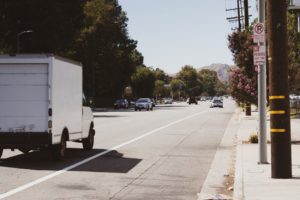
(168, 101)
(132, 104)
(143, 103)
(121, 103)
(216, 103)
(153, 102)
(192, 100)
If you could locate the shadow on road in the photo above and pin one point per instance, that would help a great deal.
(170, 107)
(112, 162)
(106, 116)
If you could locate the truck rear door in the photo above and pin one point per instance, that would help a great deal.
(23, 97)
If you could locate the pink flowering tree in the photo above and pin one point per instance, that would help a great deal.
(242, 87)
(243, 81)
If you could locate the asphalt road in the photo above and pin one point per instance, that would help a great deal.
(149, 155)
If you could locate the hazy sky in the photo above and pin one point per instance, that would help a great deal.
(174, 33)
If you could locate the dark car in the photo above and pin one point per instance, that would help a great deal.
(121, 103)
(153, 102)
(192, 100)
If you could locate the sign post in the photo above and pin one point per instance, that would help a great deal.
(259, 54)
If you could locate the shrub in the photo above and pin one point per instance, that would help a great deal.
(253, 138)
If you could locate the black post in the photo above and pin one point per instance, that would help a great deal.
(279, 93)
(246, 10)
(239, 16)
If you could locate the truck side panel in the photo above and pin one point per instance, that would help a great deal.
(23, 97)
(66, 99)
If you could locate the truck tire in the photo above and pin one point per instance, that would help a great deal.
(88, 142)
(59, 150)
(1, 152)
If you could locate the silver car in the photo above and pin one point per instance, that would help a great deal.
(216, 103)
(143, 103)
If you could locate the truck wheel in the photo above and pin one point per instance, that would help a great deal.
(1, 152)
(88, 142)
(59, 150)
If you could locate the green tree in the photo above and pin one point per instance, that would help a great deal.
(159, 90)
(188, 75)
(209, 80)
(108, 54)
(55, 25)
(93, 32)
(177, 88)
(293, 52)
(221, 89)
(143, 82)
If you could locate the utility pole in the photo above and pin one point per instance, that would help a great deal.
(246, 24)
(246, 13)
(279, 93)
(239, 16)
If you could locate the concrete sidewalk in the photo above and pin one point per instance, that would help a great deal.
(253, 181)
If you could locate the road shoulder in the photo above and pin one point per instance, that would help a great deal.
(217, 184)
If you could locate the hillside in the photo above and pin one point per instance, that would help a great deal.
(221, 69)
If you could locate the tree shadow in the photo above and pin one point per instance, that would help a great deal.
(111, 162)
(170, 107)
(106, 116)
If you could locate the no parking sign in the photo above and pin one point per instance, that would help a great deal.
(259, 33)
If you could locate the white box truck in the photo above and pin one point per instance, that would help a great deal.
(42, 104)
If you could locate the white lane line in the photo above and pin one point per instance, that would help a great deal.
(45, 178)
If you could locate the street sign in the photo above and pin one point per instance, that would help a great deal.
(259, 33)
(259, 54)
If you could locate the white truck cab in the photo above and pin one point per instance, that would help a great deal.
(41, 104)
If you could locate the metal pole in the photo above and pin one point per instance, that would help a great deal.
(279, 92)
(263, 159)
(18, 38)
(18, 43)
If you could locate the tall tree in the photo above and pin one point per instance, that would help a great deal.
(93, 32)
(109, 55)
(293, 52)
(54, 25)
(178, 88)
(188, 75)
(209, 80)
(143, 82)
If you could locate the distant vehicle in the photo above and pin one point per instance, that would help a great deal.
(121, 103)
(216, 103)
(168, 101)
(192, 100)
(131, 104)
(153, 102)
(143, 103)
(203, 99)
(42, 106)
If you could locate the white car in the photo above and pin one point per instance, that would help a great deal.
(168, 101)
(143, 103)
(216, 103)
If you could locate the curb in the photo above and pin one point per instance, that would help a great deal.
(221, 163)
(238, 193)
